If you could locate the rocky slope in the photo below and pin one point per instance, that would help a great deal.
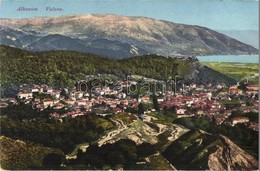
(231, 157)
(117, 36)
(200, 150)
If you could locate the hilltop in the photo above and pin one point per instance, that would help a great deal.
(64, 68)
(117, 36)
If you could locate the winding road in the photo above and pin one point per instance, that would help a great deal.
(121, 127)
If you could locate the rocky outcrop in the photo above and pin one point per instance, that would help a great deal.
(199, 150)
(231, 157)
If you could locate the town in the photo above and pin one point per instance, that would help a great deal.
(216, 102)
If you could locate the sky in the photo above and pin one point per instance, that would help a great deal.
(214, 14)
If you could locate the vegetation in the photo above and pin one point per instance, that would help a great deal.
(230, 104)
(238, 71)
(253, 117)
(65, 134)
(155, 103)
(121, 154)
(246, 138)
(192, 151)
(124, 117)
(189, 153)
(20, 155)
(63, 68)
(25, 111)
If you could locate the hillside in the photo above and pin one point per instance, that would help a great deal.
(200, 150)
(16, 154)
(63, 68)
(117, 36)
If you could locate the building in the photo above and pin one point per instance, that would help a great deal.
(239, 119)
(25, 95)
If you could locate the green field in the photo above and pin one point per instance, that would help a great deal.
(238, 71)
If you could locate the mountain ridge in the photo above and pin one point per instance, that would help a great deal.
(146, 34)
(63, 68)
(246, 36)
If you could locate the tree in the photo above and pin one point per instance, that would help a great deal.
(141, 108)
(115, 157)
(155, 103)
(170, 112)
(242, 86)
(52, 161)
(64, 93)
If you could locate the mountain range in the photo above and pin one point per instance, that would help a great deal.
(117, 36)
(247, 36)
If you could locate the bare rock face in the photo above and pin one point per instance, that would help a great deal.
(118, 36)
(199, 150)
(231, 157)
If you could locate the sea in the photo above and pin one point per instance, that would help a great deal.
(230, 58)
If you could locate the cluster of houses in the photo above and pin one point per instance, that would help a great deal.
(191, 100)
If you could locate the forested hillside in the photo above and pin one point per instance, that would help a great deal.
(64, 68)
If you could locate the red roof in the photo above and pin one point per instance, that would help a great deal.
(239, 118)
(116, 110)
(3, 104)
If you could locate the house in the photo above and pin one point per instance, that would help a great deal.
(70, 101)
(24, 94)
(235, 90)
(116, 110)
(55, 115)
(193, 85)
(12, 100)
(219, 121)
(239, 119)
(145, 99)
(160, 99)
(55, 94)
(121, 95)
(113, 104)
(254, 126)
(124, 102)
(48, 102)
(227, 112)
(219, 86)
(77, 94)
(245, 109)
(253, 87)
(89, 104)
(200, 112)
(48, 90)
(58, 106)
(209, 95)
(37, 100)
(35, 90)
(3, 105)
(40, 107)
(181, 111)
(81, 102)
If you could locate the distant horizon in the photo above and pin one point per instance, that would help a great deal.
(216, 14)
